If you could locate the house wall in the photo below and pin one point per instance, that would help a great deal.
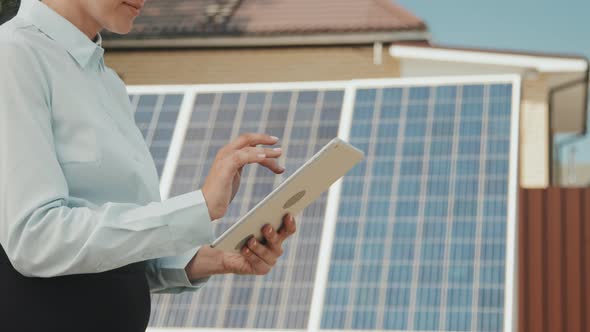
(577, 175)
(286, 64)
(553, 262)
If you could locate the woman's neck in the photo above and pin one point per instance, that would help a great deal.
(74, 12)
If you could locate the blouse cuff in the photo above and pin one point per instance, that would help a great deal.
(170, 275)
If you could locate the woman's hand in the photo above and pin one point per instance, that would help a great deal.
(254, 258)
(223, 181)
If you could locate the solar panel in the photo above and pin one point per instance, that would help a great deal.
(416, 238)
(155, 116)
(420, 240)
(305, 120)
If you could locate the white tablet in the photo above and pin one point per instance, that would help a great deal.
(293, 195)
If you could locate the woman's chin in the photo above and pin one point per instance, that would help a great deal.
(120, 28)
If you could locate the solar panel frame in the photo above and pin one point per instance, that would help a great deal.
(510, 305)
(350, 89)
(324, 89)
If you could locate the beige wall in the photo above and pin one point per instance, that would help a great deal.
(534, 134)
(577, 176)
(249, 65)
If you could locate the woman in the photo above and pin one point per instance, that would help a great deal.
(84, 234)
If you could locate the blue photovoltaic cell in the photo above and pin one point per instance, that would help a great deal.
(155, 116)
(421, 230)
(305, 121)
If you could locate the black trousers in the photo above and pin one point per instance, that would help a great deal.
(116, 300)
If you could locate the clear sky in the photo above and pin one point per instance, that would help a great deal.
(531, 25)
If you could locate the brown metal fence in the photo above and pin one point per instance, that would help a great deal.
(554, 260)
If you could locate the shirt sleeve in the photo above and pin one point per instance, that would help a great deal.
(41, 232)
(167, 274)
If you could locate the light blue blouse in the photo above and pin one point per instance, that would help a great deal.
(79, 191)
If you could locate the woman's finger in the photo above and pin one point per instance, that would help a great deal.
(245, 140)
(273, 241)
(239, 158)
(250, 155)
(273, 165)
(269, 152)
(262, 251)
(252, 139)
(288, 228)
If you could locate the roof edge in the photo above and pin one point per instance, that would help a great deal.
(539, 61)
(396, 9)
(493, 50)
(263, 41)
